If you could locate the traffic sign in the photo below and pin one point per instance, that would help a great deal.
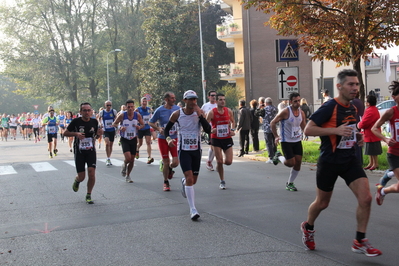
(287, 80)
(148, 96)
(287, 50)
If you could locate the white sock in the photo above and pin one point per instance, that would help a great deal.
(390, 174)
(382, 192)
(211, 155)
(293, 175)
(281, 159)
(190, 196)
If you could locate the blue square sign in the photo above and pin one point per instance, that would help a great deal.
(287, 50)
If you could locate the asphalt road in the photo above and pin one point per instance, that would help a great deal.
(255, 221)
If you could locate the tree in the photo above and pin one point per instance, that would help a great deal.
(344, 31)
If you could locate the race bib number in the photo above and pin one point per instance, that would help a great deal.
(348, 142)
(51, 129)
(296, 132)
(86, 144)
(397, 130)
(108, 123)
(189, 142)
(146, 119)
(131, 131)
(222, 131)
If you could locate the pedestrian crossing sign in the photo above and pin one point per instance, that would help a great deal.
(287, 50)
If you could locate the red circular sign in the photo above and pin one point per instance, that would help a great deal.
(291, 81)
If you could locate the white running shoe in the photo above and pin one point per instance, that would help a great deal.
(269, 161)
(194, 215)
(209, 166)
(129, 180)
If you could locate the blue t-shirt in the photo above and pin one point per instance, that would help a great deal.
(162, 115)
(146, 115)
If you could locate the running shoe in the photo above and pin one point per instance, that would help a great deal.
(55, 152)
(378, 197)
(222, 185)
(89, 200)
(307, 237)
(161, 166)
(365, 248)
(137, 155)
(269, 161)
(171, 173)
(150, 160)
(35, 140)
(108, 162)
(75, 186)
(129, 180)
(275, 158)
(51, 155)
(123, 170)
(385, 178)
(290, 187)
(194, 215)
(70, 150)
(183, 187)
(166, 186)
(209, 166)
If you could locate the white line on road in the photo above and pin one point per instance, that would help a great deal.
(7, 170)
(43, 167)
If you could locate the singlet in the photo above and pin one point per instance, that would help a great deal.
(36, 122)
(394, 125)
(89, 128)
(189, 132)
(222, 124)
(13, 121)
(61, 119)
(108, 119)
(291, 127)
(52, 125)
(4, 122)
(162, 115)
(146, 115)
(130, 125)
(332, 114)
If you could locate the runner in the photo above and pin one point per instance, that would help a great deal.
(36, 122)
(13, 126)
(52, 125)
(145, 113)
(5, 120)
(68, 120)
(189, 119)
(335, 123)
(292, 122)
(223, 126)
(61, 119)
(129, 124)
(206, 108)
(85, 130)
(162, 115)
(106, 118)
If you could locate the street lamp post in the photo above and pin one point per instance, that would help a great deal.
(113, 51)
(202, 53)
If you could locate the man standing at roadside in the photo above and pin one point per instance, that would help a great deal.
(243, 127)
(162, 115)
(130, 122)
(85, 130)
(145, 132)
(206, 108)
(106, 118)
(335, 123)
(292, 122)
(223, 126)
(189, 119)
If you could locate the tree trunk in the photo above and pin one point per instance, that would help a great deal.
(358, 67)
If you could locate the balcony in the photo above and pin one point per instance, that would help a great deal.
(229, 31)
(232, 71)
(373, 65)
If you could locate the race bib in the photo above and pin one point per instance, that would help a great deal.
(189, 142)
(86, 144)
(108, 123)
(348, 142)
(296, 132)
(51, 129)
(146, 119)
(131, 131)
(222, 131)
(397, 130)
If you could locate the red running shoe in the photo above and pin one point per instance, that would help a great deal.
(307, 237)
(365, 248)
(378, 197)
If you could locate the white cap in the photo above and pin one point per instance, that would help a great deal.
(190, 94)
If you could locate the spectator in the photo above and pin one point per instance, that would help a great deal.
(254, 125)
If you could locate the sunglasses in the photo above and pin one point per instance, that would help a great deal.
(213, 95)
(51, 111)
(86, 110)
(109, 105)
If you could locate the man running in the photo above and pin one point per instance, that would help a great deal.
(85, 130)
(223, 126)
(145, 113)
(206, 108)
(189, 119)
(106, 118)
(130, 122)
(292, 122)
(335, 123)
(161, 115)
(52, 125)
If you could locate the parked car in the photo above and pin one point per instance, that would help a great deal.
(385, 105)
